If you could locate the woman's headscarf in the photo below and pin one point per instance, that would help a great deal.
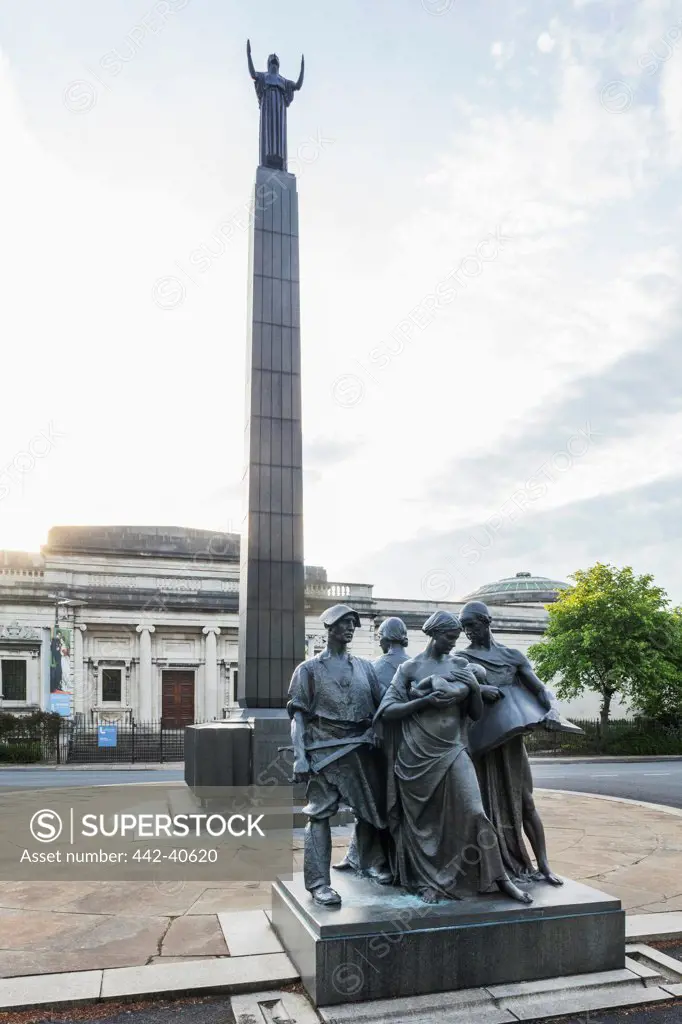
(393, 629)
(441, 622)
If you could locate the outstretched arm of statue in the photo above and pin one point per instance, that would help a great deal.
(299, 83)
(252, 70)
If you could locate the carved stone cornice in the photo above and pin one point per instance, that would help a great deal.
(18, 633)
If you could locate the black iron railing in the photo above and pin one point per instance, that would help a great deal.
(84, 742)
(81, 741)
(622, 737)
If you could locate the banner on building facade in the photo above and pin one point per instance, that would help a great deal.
(61, 676)
(60, 660)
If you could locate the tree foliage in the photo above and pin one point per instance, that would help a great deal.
(612, 632)
(659, 695)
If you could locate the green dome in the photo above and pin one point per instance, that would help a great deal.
(524, 588)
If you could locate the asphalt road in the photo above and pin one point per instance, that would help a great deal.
(50, 778)
(658, 782)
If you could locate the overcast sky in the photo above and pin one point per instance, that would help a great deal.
(490, 262)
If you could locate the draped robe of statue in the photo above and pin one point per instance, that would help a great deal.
(500, 754)
(275, 93)
(388, 664)
(442, 839)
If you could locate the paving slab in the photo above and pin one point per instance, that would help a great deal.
(645, 927)
(648, 975)
(50, 989)
(124, 899)
(662, 906)
(195, 936)
(569, 983)
(667, 966)
(271, 1007)
(43, 895)
(48, 943)
(226, 974)
(254, 896)
(583, 1001)
(249, 932)
(473, 1006)
(179, 959)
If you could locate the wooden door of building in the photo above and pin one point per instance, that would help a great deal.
(177, 698)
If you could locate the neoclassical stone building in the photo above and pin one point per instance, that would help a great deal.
(147, 622)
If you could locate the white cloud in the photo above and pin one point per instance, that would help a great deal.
(502, 52)
(545, 42)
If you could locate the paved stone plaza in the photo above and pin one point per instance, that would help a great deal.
(629, 851)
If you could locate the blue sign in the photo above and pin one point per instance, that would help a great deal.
(61, 703)
(106, 735)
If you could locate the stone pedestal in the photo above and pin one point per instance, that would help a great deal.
(383, 943)
(218, 754)
(256, 759)
(245, 752)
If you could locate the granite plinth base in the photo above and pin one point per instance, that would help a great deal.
(383, 943)
(241, 751)
(244, 751)
(218, 754)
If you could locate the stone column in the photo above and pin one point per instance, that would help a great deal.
(211, 689)
(34, 678)
(145, 698)
(271, 595)
(78, 674)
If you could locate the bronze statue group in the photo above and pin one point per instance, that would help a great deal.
(428, 753)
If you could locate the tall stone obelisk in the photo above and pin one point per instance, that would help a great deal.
(271, 616)
(271, 597)
(245, 750)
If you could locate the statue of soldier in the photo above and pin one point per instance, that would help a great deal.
(333, 698)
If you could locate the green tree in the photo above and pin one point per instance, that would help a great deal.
(659, 695)
(612, 633)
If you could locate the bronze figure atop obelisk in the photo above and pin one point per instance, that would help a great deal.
(275, 94)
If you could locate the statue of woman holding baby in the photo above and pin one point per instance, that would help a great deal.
(444, 846)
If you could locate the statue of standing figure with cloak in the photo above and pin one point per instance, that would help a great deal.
(275, 94)
(516, 703)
